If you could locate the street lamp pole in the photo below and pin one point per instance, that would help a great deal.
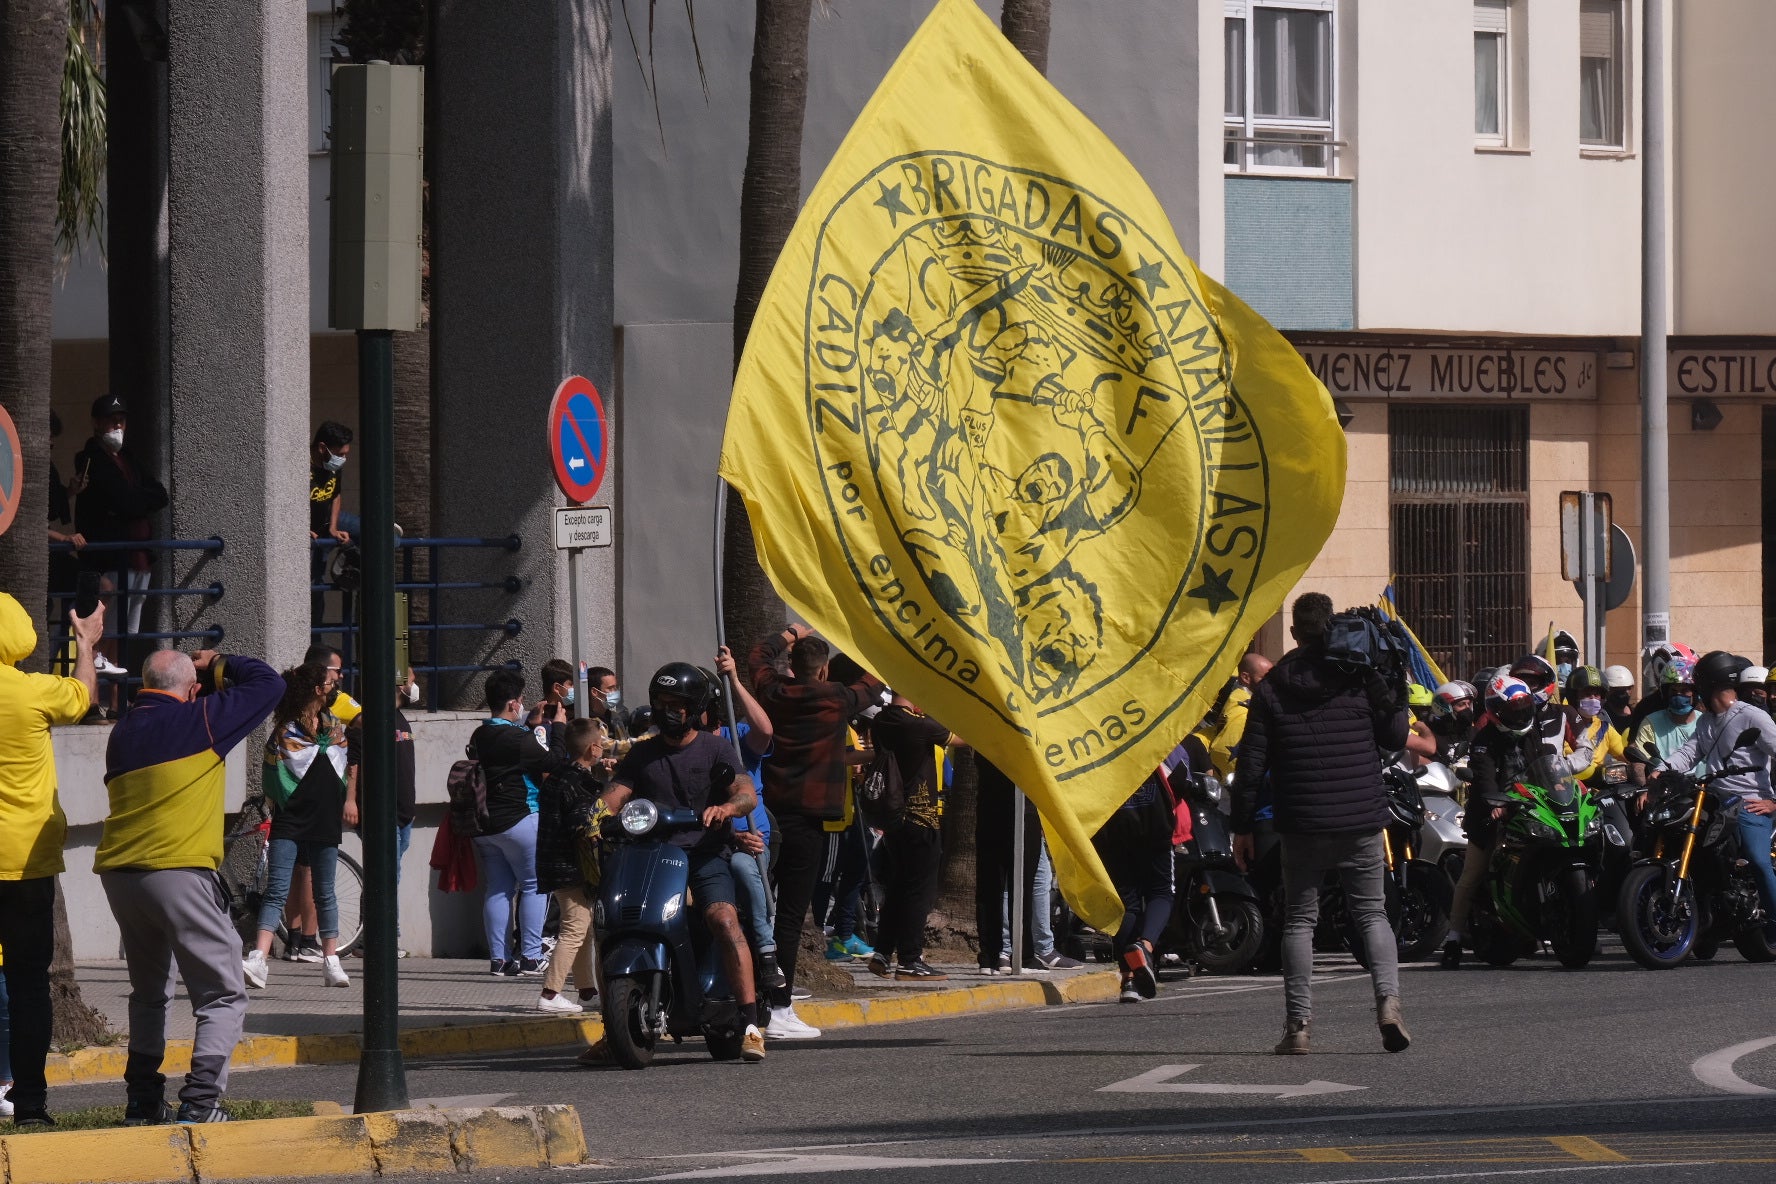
(1655, 455)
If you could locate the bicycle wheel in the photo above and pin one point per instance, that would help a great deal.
(348, 890)
(243, 873)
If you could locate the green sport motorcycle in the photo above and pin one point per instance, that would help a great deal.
(1542, 877)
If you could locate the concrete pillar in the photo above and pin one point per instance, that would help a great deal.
(521, 298)
(238, 243)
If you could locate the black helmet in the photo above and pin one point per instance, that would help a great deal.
(683, 682)
(1584, 680)
(1538, 676)
(1566, 648)
(1716, 671)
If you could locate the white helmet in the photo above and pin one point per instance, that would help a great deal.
(1756, 675)
(1617, 677)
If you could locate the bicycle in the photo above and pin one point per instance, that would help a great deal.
(246, 869)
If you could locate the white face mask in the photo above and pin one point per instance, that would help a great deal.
(334, 463)
(113, 439)
(412, 692)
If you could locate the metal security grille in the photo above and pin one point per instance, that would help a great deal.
(1459, 491)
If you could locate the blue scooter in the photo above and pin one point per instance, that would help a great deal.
(662, 971)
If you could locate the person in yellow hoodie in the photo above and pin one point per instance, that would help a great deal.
(1221, 730)
(32, 830)
(157, 860)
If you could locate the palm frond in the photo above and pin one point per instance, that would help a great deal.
(80, 193)
(649, 80)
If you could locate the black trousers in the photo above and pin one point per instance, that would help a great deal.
(1138, 857)
(911, 857)
(27, 937)
(802, 842)
(993, 821)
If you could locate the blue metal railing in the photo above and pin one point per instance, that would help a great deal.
(425, 617)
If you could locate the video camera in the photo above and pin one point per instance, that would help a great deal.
(1364, 640)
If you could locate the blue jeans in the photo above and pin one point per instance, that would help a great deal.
(1754, 842)
(1042, 918)
(321, 859)
(403, 840)
(749, 879)
(509, 860)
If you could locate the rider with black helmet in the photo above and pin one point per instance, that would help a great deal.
(686, 768)
(1714, 746)
(1589, 722)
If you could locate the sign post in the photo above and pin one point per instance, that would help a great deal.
(1587, 557)
(579, 449)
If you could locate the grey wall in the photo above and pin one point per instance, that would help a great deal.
(1130, 65)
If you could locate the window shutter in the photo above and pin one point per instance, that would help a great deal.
(1597, 28)
(1492, 16)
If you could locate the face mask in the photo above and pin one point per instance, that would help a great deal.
(1680, 704)
(613, 698)
(1589, 708)
(113, 439)
(567, 700)
(411, 691)
(673, 722)
(333, 463)
(1563, 670)
(1463, 714)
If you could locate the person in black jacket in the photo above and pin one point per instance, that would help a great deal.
(118, 504)
(515, 766)
(1317, 730)
(565, 809)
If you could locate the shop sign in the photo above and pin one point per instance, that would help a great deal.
(1699, 373)
(1412, 373)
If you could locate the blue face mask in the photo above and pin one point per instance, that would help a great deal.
(567, 700)
(1680, 704)
(1564, 670)
(613, 698)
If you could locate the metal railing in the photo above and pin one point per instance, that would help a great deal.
(426, 621)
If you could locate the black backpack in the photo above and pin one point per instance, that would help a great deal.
(881, 795)
(467, 786)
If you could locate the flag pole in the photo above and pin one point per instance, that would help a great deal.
(721, 630)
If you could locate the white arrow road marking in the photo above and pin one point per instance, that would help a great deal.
(772, 1163)
(1159, 1081)
(1716, 1068)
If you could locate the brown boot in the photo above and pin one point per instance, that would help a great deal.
(1394, 1036)
(1294, 1041)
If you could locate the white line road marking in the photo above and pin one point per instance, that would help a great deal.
(1716, 1069)
(1594, 1167)
(1159, 1081)
(766, 1163)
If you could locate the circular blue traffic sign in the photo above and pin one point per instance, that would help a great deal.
(12, 471)
(579, 443)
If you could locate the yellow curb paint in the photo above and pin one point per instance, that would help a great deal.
(1586, 1148)
(499, 1137)
(273, 1147)
(564, 1139)
(90, 1066)
(328, 1110)
(127, 1155)
(411, 1143)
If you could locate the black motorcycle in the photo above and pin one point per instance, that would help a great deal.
(1418, 893)
(1697, 887)
(1217, 919)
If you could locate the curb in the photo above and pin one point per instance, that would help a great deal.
(89, 1066)
(367, 1146)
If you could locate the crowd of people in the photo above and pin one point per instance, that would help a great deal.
(771, 755)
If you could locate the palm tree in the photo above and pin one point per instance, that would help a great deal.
(1025, 24)
(770, 196)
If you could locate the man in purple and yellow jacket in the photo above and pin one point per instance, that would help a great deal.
(164, 769)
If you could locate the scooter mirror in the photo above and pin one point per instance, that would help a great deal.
(721, 776)
(1747, 739)
(1464, 774)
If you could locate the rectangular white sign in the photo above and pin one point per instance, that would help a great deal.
(583, 526)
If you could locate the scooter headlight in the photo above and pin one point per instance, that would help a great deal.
(1212, 790)
(639, 816)
(673, 904)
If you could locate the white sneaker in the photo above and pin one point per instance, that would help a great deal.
(5, 1106)
(558, 1002)
(787, 1025)
(253, 966)
(332, 973)
(104, 665)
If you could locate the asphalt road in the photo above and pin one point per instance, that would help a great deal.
(1529, 1073)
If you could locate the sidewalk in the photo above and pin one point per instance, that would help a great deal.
(441, 993)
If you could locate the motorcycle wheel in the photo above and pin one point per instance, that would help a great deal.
(1705, 948)
(627, 1032)
(1575, 926)
(1424, 912)
(1658, 927)
(1496, 943)
(1753, 944)
(1238, 947)
(724, 1045)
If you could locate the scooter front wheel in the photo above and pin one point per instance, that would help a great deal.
(627, 1031)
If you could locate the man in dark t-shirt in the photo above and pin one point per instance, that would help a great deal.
(683, 768)
(912, 851)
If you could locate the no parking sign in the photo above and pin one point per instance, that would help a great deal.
(579, 440)
(12, 471)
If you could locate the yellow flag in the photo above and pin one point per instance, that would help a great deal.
(1004, 444)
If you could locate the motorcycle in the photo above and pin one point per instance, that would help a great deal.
(663, 972)
(1441, 839)
(1614, 792)
(1542, 882)
(1217, 920)
(1696, 888)
(1418, 893)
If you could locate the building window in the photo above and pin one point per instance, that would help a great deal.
(1281, 82)
(322, 53)
(1602, 74)
(1492, 71)
(1458, 482)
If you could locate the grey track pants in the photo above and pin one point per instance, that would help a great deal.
(1359, 861)
(178, 917)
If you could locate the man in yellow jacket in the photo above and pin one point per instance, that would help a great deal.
(1220, 732)
(32, 830)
